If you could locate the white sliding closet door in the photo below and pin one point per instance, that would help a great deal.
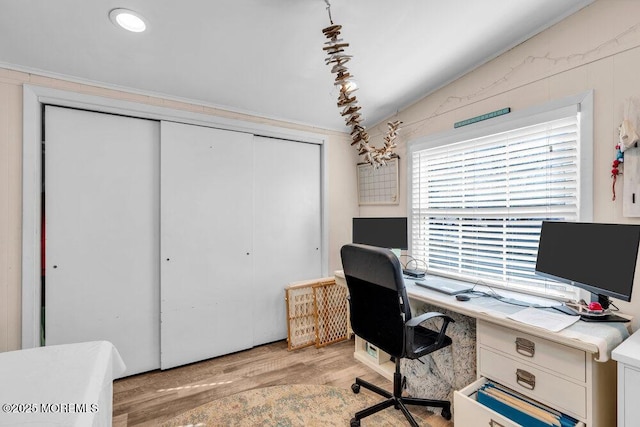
(102, 233)
(287, 228)
(207, 259)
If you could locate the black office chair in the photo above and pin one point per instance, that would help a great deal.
(380, 314)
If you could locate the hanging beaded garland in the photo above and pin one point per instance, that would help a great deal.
(349, 104)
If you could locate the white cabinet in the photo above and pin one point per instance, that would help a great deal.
(628, 392)
(628, 356)
(561, 377)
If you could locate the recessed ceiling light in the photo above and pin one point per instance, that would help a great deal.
(128, 19)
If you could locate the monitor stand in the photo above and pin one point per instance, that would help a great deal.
(587, 316)
(603, 318)
(606, 316)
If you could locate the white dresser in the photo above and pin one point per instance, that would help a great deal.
(627, 355)
(562, 377)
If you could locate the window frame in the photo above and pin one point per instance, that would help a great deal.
(581, 103)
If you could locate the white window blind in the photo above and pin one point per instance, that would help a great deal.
(477, 205)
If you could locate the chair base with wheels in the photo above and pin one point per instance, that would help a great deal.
(396, 400)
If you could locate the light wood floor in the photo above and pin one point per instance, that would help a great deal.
(150, 398)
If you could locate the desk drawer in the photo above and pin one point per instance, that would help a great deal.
(527, 379)
(468, 412)
(567, 361)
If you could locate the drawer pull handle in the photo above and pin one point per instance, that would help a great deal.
(526, 379)
(494, 423)
(525, 347)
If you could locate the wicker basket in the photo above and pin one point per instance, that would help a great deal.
(316, 313)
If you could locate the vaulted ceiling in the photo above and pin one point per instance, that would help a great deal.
(264, 57)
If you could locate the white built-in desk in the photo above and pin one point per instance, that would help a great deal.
(570, 371)
(598, 339)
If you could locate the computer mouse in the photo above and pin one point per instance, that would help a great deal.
(462, 297)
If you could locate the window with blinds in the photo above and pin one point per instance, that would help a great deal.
(477, 204)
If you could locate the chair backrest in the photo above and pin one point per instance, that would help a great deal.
(377, 296)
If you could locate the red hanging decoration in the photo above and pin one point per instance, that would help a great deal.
(615, 171)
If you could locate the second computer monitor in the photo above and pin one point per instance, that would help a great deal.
(388, 232)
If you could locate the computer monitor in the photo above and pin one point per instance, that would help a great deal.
(390, 233)
(600, 258)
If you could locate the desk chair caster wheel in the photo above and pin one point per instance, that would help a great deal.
(356, 389)
(446, 414)
(355, 423)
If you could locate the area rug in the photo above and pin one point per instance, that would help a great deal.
(289, 406)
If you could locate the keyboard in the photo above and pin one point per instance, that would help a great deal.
(444, 285)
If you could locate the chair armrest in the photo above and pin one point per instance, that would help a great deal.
(415, 321)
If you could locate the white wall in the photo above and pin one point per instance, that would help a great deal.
(597, 48)
(340, 180)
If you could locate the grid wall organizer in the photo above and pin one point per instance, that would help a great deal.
(378, 186)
